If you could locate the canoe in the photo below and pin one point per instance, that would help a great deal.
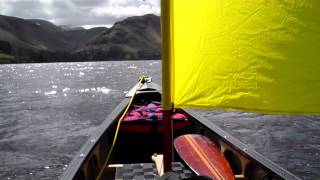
(140, 139)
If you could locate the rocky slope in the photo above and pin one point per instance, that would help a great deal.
(132, 38)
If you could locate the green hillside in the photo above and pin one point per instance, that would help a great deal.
(34, 40)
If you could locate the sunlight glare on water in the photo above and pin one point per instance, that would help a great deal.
(48, 111)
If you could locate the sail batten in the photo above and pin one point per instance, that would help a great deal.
(260, 56)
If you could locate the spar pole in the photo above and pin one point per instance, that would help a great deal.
(166, 82)
(168, 140)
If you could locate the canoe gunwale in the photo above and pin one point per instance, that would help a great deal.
(242, 148)
(88, 147)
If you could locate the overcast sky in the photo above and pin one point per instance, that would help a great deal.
(79, 12)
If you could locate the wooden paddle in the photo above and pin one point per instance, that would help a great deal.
(203, 157)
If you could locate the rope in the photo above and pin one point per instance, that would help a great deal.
(141, 81)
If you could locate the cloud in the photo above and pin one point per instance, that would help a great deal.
(96, 25)
(79, 12)
(125, 11)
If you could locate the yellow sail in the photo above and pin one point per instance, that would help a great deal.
(253, 55)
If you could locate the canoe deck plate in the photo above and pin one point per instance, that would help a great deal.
(148, 171)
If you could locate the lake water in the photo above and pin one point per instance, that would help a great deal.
(48, 111)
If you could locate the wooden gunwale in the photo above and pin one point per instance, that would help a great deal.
(226, 142)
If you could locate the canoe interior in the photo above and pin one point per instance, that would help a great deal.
(139, 147)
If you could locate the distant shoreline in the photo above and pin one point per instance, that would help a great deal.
(80, 61)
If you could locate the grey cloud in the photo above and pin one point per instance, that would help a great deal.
(68, 12)
(88, 3)
(26, 9)
(71, 14)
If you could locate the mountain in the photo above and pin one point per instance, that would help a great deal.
(78, 37)
(35, 40)
(133, 38)
(31, 34)
(38, 34)
(70, 28)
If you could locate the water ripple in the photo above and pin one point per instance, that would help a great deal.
(46, 115)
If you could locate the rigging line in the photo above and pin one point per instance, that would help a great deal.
(141, 82)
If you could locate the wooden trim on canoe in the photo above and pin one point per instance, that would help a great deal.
(244, 149)
(79, 159)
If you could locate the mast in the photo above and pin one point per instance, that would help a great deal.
(166, 83)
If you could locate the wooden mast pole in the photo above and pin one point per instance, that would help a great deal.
(168, 141)
(166, 82)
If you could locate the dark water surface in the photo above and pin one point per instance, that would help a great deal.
(48, 111)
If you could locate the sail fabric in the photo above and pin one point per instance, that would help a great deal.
(252, 55)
